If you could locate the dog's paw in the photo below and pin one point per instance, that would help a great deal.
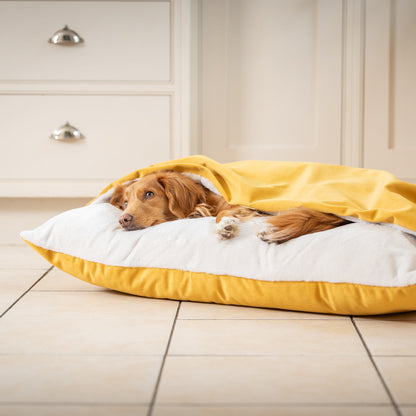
(227, 228)
(267, 234)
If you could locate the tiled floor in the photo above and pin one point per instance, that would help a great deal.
(69, 348)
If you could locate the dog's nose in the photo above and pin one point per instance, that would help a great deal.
(125, 220)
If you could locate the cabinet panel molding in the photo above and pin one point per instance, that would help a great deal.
(390, 87)
(352, 147)
(122, 41)
(121, 134)
(271, 84)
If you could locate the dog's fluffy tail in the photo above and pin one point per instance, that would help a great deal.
(296, 222)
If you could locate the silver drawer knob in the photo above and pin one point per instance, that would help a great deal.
(66, 133)
(66, 36)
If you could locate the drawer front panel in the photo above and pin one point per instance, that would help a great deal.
(122, 134)
(122, 41)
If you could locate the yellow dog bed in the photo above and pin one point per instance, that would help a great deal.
(367, 267)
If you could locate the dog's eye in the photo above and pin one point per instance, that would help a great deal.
(148, 195)
(125, 204)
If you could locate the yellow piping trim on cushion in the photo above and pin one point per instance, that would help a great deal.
(321, 297)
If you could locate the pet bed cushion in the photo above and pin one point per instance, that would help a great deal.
(366, 267)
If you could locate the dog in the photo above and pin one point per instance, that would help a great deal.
(168, 195)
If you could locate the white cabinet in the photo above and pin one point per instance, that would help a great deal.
(316, 80)
(271, 79)
(123, 41)
(390, 87)
(124, 88)
(122, 133)
(328, 81)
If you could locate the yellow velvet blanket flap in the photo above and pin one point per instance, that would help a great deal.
(369, 195)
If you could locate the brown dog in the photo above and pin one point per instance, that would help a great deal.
(166, 196)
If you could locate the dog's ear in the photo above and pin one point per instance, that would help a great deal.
(183, 193)
(118, 196)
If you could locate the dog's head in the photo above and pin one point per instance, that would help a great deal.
(156, 198)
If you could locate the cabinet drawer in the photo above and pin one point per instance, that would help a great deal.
(127, 41)
(122, 134)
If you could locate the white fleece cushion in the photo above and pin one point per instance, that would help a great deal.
(359, 253)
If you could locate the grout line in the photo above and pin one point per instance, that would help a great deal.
(275, 404)
(66, 291)
(263, 319)
(72, 404)
(39, 269)
(383, 382)
(162, 365)
(27, 291)
(394, 355)
(208, 405)
(245, 355)
(73, 354)
(266, 355)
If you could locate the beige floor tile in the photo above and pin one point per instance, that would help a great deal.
(86, 323)
(58, 280)
(76, 306)
(21, 257)
(408, 316)
(87, 336)
(408, 411)
(274, 411)
(389, 337)
(270, 380)
(46, 379)
(195, 310)
(400, 376)
(265, 337)
(68, 410)
(14, 283)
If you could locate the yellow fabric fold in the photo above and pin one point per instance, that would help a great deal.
(370, 195)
